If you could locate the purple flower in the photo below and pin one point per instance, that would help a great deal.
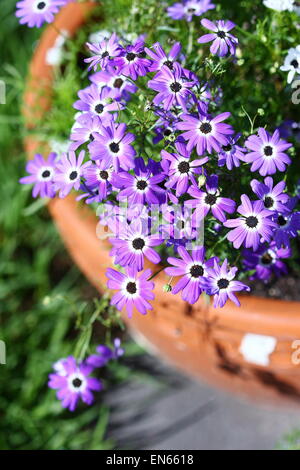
(180, 169)
(231, 154)
(290, 129)
(160, 58)
(96, 103)
(267, 153)
(193, 269)
(69, 171)
(287, 225)
(99, 177)
(73, 383)
(119, 86)
(105, 354)
(113, 145)
(172, 87)
(272, 196)
(220, 283)
(133, 244)
(210, 200)
(41, 175)
(104, 52)
(142, 186)
(84, 127)
(134, 291)
(266, 261)
(223, 41)
(188, 8)
(254, 225)
(204, 132)
(37, 12)
(133, 62)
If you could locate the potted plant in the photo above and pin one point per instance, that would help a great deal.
(209, 129)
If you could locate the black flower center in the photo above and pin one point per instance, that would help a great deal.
(184, 167)
(223, 283)
(269, 202)
(99, 108)
(268, 150)
(130, 56)
(221, 34)
(103, 175)
(281, 221)
(114, 147)
(211, 199)
(295, 63)
(175, 86)
(252, 222)
(73, 175)
(91, 137)
(169, 64)
(41, 5)
(131, 287)
(266, 259)
(167, 132)
(46, 174)
(141, 184)
(118, 83)
(138, 244)
(205, 128)
(105, 54)
(227, 148)
(196, 271)
(77, 382)
(191, 10)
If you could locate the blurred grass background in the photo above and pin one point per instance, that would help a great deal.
(41, 291)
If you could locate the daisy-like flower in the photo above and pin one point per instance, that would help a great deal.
(69, 171)
(210, 200)
(104, 354)
(96, 103)
(204, 132)
(35, 13)
(41, 175)
(292, 63)
(180, 169)
(221, 284)
(172, 87)
(133, 62)
(160, 58)
(266, 261)
(222, 41)
(272, 196)
(267, 152)
(192, 268)
(142, 186)
(290, 129)
(119, 86)
(73, 382)
(231, 154)
(254, 226)
(113, 145)
(135, 290)
(287, 224)
(189, 8)
(279, 5)
(103, 52)
(84, 128)
(99, 178)
(133, 244)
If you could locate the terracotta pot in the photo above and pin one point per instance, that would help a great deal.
(246, 350)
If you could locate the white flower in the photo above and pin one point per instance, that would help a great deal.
(280, 5)
(292, 63)
(59, 146)
(99, 36)
(54, 55)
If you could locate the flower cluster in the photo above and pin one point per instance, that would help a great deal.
(72, 379)
(157, 150)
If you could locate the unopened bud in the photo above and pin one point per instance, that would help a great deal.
(201, 180)
(167, 288)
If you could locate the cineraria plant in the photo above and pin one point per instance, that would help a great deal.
(180, 149)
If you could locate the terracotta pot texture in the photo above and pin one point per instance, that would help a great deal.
(247, 350)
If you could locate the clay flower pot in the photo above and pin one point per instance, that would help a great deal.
(247, 350)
